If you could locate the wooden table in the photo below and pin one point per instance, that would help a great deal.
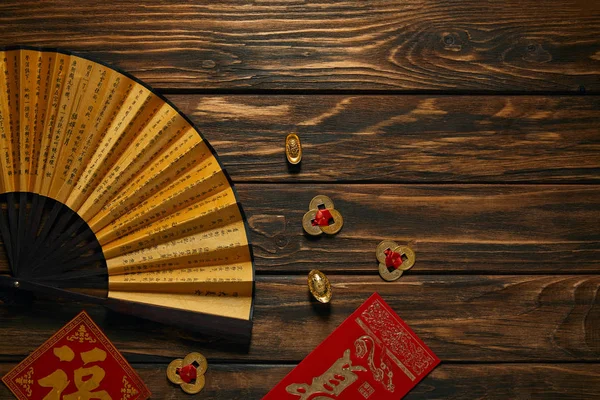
(469, 130)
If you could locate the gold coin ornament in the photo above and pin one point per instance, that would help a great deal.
(293, 149)
(188, 372)
(319, 286)
(394, 259)
(322, 217)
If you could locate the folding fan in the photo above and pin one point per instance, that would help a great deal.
(110, 195)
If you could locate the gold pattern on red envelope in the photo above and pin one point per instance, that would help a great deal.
(77, 363)
(372, 355)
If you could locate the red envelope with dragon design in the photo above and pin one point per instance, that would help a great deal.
(78, 362)
(372, 355)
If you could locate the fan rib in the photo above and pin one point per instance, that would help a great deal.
(106, 185)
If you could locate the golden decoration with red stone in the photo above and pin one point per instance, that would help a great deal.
(322, 217)
(394, 259)
(188, 372)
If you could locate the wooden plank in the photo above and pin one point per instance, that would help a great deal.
(462, 318)
(403, 138)
(453, 228)
(489, 229)
(496, 381)
(522, 45)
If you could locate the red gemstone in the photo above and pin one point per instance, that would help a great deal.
(322, 218)
(392, 259)
(188, 373)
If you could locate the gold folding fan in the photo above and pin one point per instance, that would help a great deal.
(110, 195)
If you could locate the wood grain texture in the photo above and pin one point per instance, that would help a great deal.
(514, 381)
(403, 138)
(468, 229)
(402, 109)
(461, 318)
(453, 228)
(403, 44)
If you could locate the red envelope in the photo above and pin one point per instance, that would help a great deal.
(372, 355)
(78, 362)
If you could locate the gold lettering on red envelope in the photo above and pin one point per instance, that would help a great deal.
(365, 347)
(412, 356)
(333, 382)
(77, 363)
(372, 354)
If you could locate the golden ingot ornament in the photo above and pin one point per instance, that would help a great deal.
(188, 372)
(322, 217)
(293, 149)
(394, 259)
(319, 286)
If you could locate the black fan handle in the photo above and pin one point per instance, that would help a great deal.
(10, 293)
(237, 330)
(12, 287)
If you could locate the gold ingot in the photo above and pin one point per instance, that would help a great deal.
(201, 365)
(408, 259)
(322, 202)
(293, 149)
(319, 286)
